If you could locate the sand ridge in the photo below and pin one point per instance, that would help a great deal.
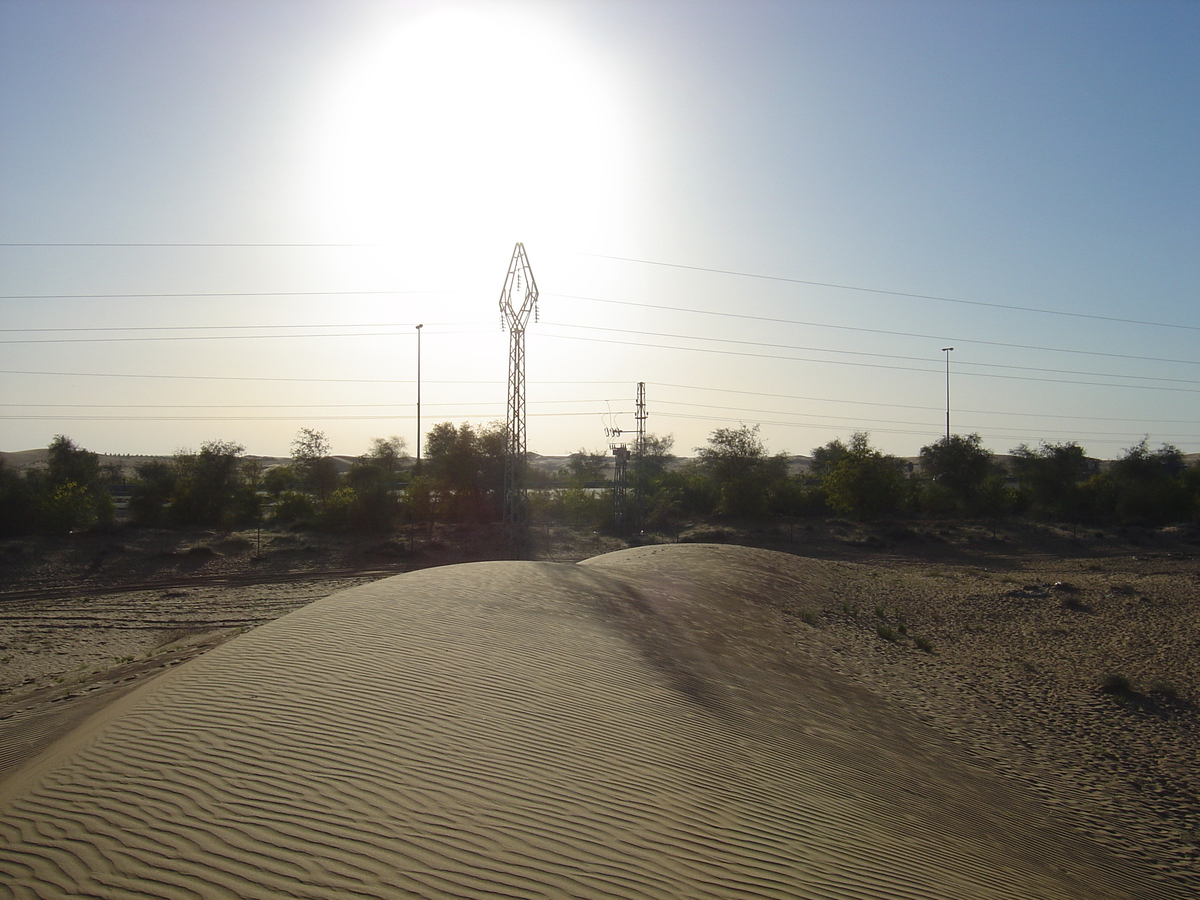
(642, 725)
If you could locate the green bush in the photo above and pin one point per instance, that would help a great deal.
(72, 493)
(963, 477)
(338, 511)
(372, 509)
(151, 493)
(68, 506)
(582, 507)
(18, 499)
(742, 479)
(1147, 487)
(294, 508)
(1051, 480)
(861, 481)
(214, 487)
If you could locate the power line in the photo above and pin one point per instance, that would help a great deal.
(310, 414)
(180, 244)
(665, 308)
(95, 328)
(880, 331)
(314, 417)
(223, 337)
(269, 378)
(927, 432)
(742, 316)
(974, 369)
(646, 262)
(231, 378)
(584, 400)
(207, 294)
(743, 353)
(773, 412)
(981, 412)
(304, 406)
(138, 406)
(885, 422)
(838, 362)
(865, 353)
(743, 420)
(891, 293)
(807, 349)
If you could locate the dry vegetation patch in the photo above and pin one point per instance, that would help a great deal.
(1078, 677)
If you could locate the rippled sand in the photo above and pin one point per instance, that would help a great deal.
(638, 725)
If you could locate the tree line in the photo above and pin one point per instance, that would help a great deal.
(460, 480)
(953, 477)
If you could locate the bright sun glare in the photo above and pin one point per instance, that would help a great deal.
(472, 128)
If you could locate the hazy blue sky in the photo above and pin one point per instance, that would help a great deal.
(1020, 181)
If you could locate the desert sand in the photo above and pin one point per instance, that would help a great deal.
(673, 721)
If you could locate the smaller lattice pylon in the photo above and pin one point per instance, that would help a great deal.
(620, 485)
(639, 452)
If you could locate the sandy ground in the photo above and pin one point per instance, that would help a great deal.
(995, 649)
(86, 618)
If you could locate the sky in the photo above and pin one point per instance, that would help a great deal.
(224, 219)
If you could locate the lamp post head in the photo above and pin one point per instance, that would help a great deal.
(944, 349)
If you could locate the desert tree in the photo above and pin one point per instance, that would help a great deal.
(388, 455)
(1146, 487)
(1190, 478)
(861, 481)
(18, 500)
(153, 486)
(962, 476)
(826, 457)
(1050, 479)
(67, 462)
(367, 500)
(310, 457)
(651, 476)
(294, 509)
(278, 479)
(380, 466)
(654, 456)
(739, 471)
(465, 466)
(378, 469)
(72, 492)
(577, 500)
(213, 487)
(585, 468)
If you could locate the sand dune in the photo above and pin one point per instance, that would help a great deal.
(642, 725)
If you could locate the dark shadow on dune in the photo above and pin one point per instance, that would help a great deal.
(662, 642)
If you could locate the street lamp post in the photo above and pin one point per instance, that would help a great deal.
(419, 327)
(947, 350)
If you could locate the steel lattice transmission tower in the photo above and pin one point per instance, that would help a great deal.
(518, 301)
